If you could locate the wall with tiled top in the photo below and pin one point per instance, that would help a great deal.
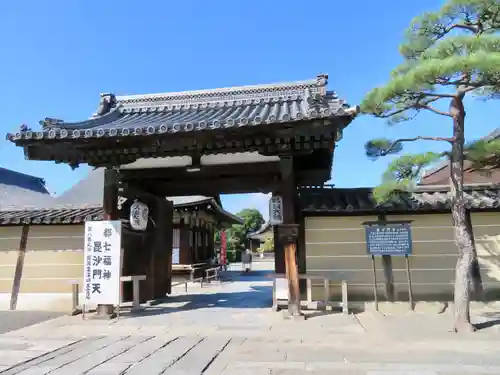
(337, 244)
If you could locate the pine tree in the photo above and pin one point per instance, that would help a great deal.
(447, 54)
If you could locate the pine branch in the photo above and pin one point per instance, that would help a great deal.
(418, 138)
(434, 95)
(403, 173)
(381, 101)
(436, 111)
(474, 17)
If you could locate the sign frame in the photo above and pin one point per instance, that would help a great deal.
(388, 227)
(102, 262)
(276, 204)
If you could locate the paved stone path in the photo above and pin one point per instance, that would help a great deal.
(229, 329)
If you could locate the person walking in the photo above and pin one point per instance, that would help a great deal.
(246, 260)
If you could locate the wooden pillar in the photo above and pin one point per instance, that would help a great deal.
(390, 291)
(211, 240)
(301, 250)
(110, 206)
(16, 284)
(184, 251)
(279, 253)
(161, 255)
(288, 192)
(196, 243)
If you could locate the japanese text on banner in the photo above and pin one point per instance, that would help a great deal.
(102, 262)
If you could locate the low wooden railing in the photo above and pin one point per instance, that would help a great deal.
(136, 304)
(327, 279)
(210, 273)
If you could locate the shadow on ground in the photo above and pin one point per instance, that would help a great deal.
(257, 297)
(14, 320)
(252, 276)
(493, 320)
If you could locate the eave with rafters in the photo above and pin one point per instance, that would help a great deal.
(295, 117)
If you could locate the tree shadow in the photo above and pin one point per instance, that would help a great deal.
(488, 248)
(488, 324)
(493, 320)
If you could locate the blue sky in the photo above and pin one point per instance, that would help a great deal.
(57, 56)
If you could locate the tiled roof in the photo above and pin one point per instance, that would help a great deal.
(360, 200)
(22, 190)
(84, 202)
(198, 110)
(75, 214)
(262, 229)
(57, 215)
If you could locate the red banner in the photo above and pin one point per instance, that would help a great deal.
(223, 247)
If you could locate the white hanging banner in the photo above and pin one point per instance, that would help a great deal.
(139, 213)
(276, 210)
(101, 282)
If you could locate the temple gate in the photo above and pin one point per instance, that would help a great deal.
(263, 138)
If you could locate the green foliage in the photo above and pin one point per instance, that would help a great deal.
(447, 54)
(484, 154)
(456, 48)
(217, 237)
(237, 234)
(381, 147)
(402, 175)
(389, 190)
(407, 94)
(409, 167)
(465, 15)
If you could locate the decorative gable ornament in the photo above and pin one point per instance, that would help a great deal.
(276, 210)
(139, 213)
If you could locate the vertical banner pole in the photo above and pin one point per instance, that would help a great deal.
(408, 274)
(375, 282)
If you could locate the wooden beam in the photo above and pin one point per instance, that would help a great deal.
(16, 284)
(130, 190)
(232, 185)
(176, 173)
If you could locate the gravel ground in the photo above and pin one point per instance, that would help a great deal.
(12, 320)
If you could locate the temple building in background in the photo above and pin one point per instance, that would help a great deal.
(257, 238)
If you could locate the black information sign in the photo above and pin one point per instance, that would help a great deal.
(388, 239)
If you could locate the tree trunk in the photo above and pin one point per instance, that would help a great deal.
(463, 238)
(477, 281)
(476, 285)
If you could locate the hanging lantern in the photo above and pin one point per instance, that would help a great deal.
(139, 213)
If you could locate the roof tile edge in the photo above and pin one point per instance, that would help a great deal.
(320, 81)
